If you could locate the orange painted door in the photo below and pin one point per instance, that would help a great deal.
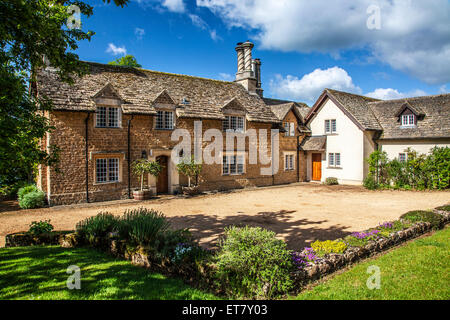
(316, 166)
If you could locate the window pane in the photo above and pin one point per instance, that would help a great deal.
(233, 124)
(411, 120)
(233, 166)
(240, 124)
(225, 165)
(240, 160)
(168, 121)
(226, 123)
(113, 170)
(402, 157)
(101, 117)
(338, 159)
(101, 170)
(331, 159)
(327, 126)
(291, 162)
(333, 125)
(159, 120)
(113, 117)
(286, 128)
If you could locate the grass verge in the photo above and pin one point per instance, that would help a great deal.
(40, 273)
(417, 271)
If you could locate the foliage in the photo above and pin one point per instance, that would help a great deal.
(25, 190)
(33, 35)
(143, 166)
(444, 208)
(187, 252)
(360, 239)
(252, 262)
(126, 61)
(38, 228)
(10, 189)
(416, 271)
(329, 246)
(142, 226)
(418, 172)
(191, 169)
(387, 228)
(304, 258)
(332, 181)
(435, 219)
(33, 199)
(98, 226)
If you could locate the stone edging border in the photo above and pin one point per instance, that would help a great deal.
(334, 262)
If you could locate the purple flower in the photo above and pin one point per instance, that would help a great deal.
(364, 235)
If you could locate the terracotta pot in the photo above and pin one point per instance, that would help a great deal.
(142, 195)
(190, 191)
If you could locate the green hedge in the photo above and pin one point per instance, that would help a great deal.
(30, 197)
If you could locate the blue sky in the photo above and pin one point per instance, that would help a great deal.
(303, 48)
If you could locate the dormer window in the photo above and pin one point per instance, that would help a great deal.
(408, 120)
(107, 117)
(164, 120)
(234, 124)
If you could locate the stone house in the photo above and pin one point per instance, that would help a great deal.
(346, 128)
(114, 115)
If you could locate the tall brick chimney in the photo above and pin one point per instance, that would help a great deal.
(248, 69)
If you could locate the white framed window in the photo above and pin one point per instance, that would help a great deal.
(233, 165)
(234, 123)
(289, 162)
(164, 120)
(107, 117)
(330, 126)
(107, 170)
(402, 157)
(334, 160)
(289, 127)
(408, 120)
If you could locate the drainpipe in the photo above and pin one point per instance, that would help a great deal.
(129, 156)
(86, 122)
(298, 158)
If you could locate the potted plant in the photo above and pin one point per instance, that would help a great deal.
(140, 168)
(192, 170)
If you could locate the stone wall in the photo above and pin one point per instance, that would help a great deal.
(68, 184)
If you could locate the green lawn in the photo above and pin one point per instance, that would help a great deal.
(40, 273)
(418, 271)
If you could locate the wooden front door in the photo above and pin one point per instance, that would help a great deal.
(162, 184)
(316, 166)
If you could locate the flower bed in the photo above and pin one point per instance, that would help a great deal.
(371, 242)
(24, 239)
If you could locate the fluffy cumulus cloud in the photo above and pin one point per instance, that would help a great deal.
(115, 51)
(390, 94)
(414, 35)
(174, 5)
(311, 85)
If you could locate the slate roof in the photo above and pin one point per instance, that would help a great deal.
(314, 143)
(433, 121)
(139, 88)
(358, 107)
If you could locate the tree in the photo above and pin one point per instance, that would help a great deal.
(143, 166)
(126, 61)
(33, 34)
(190, 169)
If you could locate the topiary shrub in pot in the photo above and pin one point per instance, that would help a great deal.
(140, 168)
(191, 169)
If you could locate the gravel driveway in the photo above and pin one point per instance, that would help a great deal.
(298, 213)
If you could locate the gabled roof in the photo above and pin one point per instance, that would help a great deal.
(354, 106)
(416, 110)
(139, 88)
(107, 92)
(164, 98)
(281, 108)
(435, 122)
(234, 105)
(314, 143)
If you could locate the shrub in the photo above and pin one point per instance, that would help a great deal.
(435, 219)
(41, 227)
(444, 208)
(31, 200)
(252, 262)
(330, 246)
(331, 181)
(387, 228)
(370, 183)
(142, 226)
(98, 226)
(25, 190)
(360, 239)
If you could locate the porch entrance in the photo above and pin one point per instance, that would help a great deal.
(316, 166)
(162, 183)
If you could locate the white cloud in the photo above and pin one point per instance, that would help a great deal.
(174, 5)
(200, 23)
(443, 89)
(116, 50)
(414, 36)
(139, 32)
(311, 85)
(226, 76)
(391, 94)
